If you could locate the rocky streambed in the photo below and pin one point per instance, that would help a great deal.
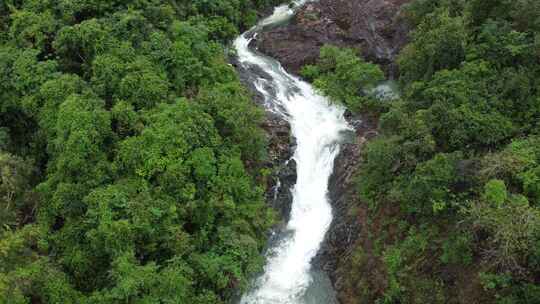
(374, 27)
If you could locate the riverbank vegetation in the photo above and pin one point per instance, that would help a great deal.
(345, 77)
(452, 183)
(129, 153)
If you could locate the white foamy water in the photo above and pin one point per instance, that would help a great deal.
(317, 126)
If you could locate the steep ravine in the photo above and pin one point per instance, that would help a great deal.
(378, 31)
(319, 127)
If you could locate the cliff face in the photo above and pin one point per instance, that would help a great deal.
(374, 27)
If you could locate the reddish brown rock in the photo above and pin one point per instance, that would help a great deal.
(374, 27)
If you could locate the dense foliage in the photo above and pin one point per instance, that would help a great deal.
(128, 153)
(453, 182)
(345, 77)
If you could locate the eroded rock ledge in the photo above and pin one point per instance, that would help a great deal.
(375, 27)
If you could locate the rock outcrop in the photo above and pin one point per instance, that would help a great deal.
(282, 177)
(345, 229)
(374, 27)
(283, 167)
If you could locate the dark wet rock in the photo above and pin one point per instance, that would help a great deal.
(375, 27)
(248, 77)
(280, 162)
(344, 230)
(281, 145)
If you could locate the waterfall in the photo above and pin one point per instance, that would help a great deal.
(317, 126)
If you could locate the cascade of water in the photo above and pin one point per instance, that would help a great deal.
(317, 126)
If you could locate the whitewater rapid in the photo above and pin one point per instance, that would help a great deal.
(317, 126)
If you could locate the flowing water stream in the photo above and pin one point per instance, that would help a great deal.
(318, 127)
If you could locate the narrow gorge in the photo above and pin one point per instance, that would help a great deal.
(315, 150)
(318, 128)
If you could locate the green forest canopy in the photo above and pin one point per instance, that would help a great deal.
(458, 157)
(129, 153)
